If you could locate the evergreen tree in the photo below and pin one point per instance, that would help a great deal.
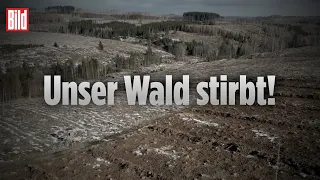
(100, 45)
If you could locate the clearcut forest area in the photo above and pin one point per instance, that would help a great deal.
(39, 141)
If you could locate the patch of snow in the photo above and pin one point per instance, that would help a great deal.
(175, 40)
(96, 138)
(206, 123)
(99, 162)
(102, 160)
(200, 122)
(263, 134)
(137, 152)
(167, 151)
(96, 166)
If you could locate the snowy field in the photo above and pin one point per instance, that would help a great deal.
(30, 126)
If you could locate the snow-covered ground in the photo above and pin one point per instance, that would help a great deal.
(29, 126)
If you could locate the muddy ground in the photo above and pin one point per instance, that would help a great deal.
(209, 142)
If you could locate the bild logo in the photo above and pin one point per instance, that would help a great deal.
(17, 19)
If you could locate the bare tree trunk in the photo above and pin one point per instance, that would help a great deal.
(3, 103)
(273, 44)
(92, 71)
(29, 88)
(98, 73)
(72, 73)
(87, 71)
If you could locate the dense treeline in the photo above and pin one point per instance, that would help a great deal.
(151, 31)
(60, 9)
(200, 16)
(92, 15)
(48, 18)
(115, 16)
(107, 30)
(233, 44)
(19, 82)
(115, 29)
(27, 80)
(216, 31)
(181, 49)
(9, 48)
(271, 38)
(136, 60)
(133, 16)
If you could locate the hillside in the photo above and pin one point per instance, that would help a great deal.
(210, 142)
(71, 47)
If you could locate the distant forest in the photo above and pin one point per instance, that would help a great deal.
(200, 16)
(61, 9)
(115, 29)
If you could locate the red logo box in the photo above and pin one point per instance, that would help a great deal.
(17, 19)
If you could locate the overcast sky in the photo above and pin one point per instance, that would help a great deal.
(222, 7)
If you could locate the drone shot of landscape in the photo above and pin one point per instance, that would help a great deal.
(105, 40)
